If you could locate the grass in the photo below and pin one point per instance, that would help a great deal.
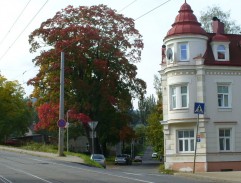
(54, 149)
(40, 147)
(165, 171)
(85, 157)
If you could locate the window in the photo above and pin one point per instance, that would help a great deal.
(170, 54)
(223, 96)
(186, 140)
(221, 52)
(183, 52)
(179, 96)
(174, 97)
(184, 96)
(224, 139)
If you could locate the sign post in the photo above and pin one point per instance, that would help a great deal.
(198, 109)
(92, 125)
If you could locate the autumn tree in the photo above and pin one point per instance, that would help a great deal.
(15, 111)
(230, 25)
(101, 48)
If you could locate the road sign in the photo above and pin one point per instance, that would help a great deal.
(199, 108)
(198, 138)
(67, 125)
(61, 123)
(93, 124)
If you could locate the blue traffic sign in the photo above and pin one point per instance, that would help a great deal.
(199, 108)
(61, 123)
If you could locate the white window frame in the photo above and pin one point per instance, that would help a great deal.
(177, 95)
(221, 49)
(185, 141)
(224, 98)
(215, 48)
(184, 50)
(224, 139)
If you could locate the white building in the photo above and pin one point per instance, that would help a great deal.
(201, 67)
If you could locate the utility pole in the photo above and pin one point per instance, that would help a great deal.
(61, 107)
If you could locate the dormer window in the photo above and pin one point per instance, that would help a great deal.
(220, 46)
(221, 52)
(183, 48)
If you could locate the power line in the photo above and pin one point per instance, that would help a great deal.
(152, 10)
(14, 23)
(78, 40)
(23, 30)
(127, 6)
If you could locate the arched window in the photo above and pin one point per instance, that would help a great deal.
(221, 50)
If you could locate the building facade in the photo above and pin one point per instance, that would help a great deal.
(201, 67)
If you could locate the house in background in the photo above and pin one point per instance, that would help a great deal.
(201, 67)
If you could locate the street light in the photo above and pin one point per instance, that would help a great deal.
(67, 129)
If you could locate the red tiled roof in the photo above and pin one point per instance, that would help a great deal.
(220, 38)
(234, 51)
(186, 23)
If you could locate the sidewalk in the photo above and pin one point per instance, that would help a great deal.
(68, 158)
(217, 177)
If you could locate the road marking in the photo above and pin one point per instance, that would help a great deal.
(93, 171)
(4, 180)
(35, 176)
(133, 173)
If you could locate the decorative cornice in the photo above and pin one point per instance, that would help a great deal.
(182, 72)
(230, 73)
(226, 122)
(187, 120)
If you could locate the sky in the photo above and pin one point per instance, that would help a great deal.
(153, 19)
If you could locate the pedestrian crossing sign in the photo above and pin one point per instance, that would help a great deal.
(199, 108)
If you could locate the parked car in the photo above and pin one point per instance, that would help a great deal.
(123, 159)
(99, 158)
(138, 159)
(154, 155)
(12, 142)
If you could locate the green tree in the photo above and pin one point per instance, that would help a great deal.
(154, 132)
(101, 48)
(145, 107)
(230, 25)
(154, 129)
(15, 111)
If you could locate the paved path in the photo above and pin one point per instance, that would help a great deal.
(220, 177)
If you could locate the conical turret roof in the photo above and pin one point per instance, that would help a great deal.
(186, 23)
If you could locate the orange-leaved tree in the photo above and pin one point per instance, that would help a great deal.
(101, 48)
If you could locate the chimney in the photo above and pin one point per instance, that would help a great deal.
(218, 27)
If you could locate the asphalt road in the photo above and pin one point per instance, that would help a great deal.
(22, 168)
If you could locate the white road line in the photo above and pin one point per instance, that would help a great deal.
(139, 174)
(44, 180)
(103, 173)
(4, 180)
